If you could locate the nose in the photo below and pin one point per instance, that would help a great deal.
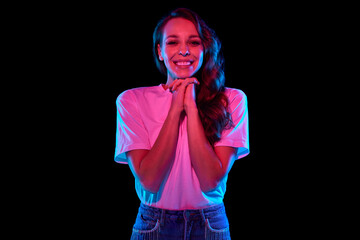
(184, 50)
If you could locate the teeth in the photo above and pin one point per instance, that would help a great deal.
(183, 63)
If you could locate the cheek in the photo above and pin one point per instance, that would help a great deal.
(168, 53)
(199, 55)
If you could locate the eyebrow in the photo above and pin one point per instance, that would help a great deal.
(176, 36)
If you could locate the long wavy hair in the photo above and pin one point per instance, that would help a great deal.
(211, 100)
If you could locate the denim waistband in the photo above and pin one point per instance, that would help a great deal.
(189, 214)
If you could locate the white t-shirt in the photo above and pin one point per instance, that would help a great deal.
(141, 113)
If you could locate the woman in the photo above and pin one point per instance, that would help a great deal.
(181, 138)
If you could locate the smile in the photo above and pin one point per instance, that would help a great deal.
(183, 63)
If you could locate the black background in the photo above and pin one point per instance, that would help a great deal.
(87, 54)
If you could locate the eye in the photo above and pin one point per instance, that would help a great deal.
(171, 42)
(195, 43)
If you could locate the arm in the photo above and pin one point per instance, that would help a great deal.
(151, 166)
(210, 164)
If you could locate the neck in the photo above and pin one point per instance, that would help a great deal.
(170, 79)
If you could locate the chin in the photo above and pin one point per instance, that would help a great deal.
(184, 75)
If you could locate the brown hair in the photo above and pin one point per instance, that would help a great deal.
(211, 100)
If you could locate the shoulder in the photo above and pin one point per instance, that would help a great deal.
(235, 94)
(133, 93)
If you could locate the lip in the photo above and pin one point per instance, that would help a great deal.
(183, 63)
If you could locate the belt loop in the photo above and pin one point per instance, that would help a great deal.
(203, 215)
(162, 217)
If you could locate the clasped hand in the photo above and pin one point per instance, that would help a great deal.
(184, 95)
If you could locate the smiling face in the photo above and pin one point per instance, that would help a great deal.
(181, 49)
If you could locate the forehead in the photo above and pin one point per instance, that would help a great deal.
(179, 26)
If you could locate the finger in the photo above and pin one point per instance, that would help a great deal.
(176, 85)
(189, 87)
(192, 80)
(184, 83)
(171, 85)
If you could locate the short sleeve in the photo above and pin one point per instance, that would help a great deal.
(130, 130)
(238, 135)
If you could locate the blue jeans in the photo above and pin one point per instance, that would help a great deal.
(202, 224)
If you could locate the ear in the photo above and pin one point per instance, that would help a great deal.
(159, 52)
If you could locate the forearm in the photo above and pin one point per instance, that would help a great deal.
(157, 162)
(205, 162)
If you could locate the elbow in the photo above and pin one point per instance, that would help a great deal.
(210, 182)
(209, 186)
(150, 186)
(148, 183)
